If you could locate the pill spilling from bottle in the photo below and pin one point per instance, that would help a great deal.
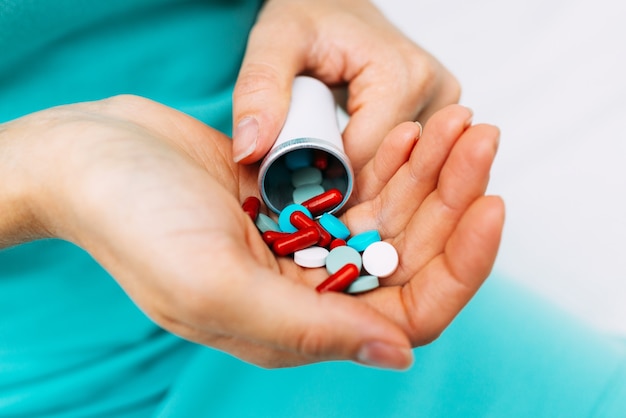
(315, 238)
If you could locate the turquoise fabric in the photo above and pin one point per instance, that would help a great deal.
(73, 344)
(507, 355)
(181, 53)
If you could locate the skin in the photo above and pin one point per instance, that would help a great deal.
(384, 77)
(154, 196)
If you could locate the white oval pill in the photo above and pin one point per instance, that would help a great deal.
(380, 259)
(311, 257)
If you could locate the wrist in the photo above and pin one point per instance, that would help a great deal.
(22, 187)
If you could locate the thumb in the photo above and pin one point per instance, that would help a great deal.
(263, 88)
(288, 316)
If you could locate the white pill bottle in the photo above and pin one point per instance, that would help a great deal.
(310, 135)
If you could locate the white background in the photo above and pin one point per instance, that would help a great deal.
(552, 76)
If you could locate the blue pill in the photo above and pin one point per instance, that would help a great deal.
(265, 223)
(363, 240)
(363, 284)
(340, 256)
(334, 226)
(306, 175)
(284, 221)
(299, 158)
(306, 192)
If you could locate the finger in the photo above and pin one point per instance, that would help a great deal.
(393, 152)
(463, 179)
(407, 189)
(434, 296)
(452, 279)
(263, 88)
(378, 101)
(285, 315)
(251, 352)
(221, 288)
(256, 304)
(375, 106)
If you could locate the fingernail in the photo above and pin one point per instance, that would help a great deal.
(386, 356)
(469, 120)
(245, 138)
(419, 133)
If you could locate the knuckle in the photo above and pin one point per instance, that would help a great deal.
(125, 104)
(277, 360)
(257, 78)
(432, 84)
(312, 342)
(420, 334)
(124, 99)
(418, 80)
(425, 339)
(429, 72)
(424, 69)
(451, 89)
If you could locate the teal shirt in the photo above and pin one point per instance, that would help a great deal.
(73, 345)
(185, 54)
(71, 342)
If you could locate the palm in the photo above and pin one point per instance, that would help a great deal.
(165, 220)
(433, 210)
(427, 200)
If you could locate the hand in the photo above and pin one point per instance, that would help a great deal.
(389, 78)
(154, 196)
(427, 199)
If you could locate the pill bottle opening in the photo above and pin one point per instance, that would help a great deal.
(276, 171)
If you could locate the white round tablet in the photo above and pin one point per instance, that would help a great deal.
(311, 257)
(380, 259)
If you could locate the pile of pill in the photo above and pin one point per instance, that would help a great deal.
(301, 174)
(317, 238)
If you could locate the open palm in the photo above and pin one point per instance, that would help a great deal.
(154, 196)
